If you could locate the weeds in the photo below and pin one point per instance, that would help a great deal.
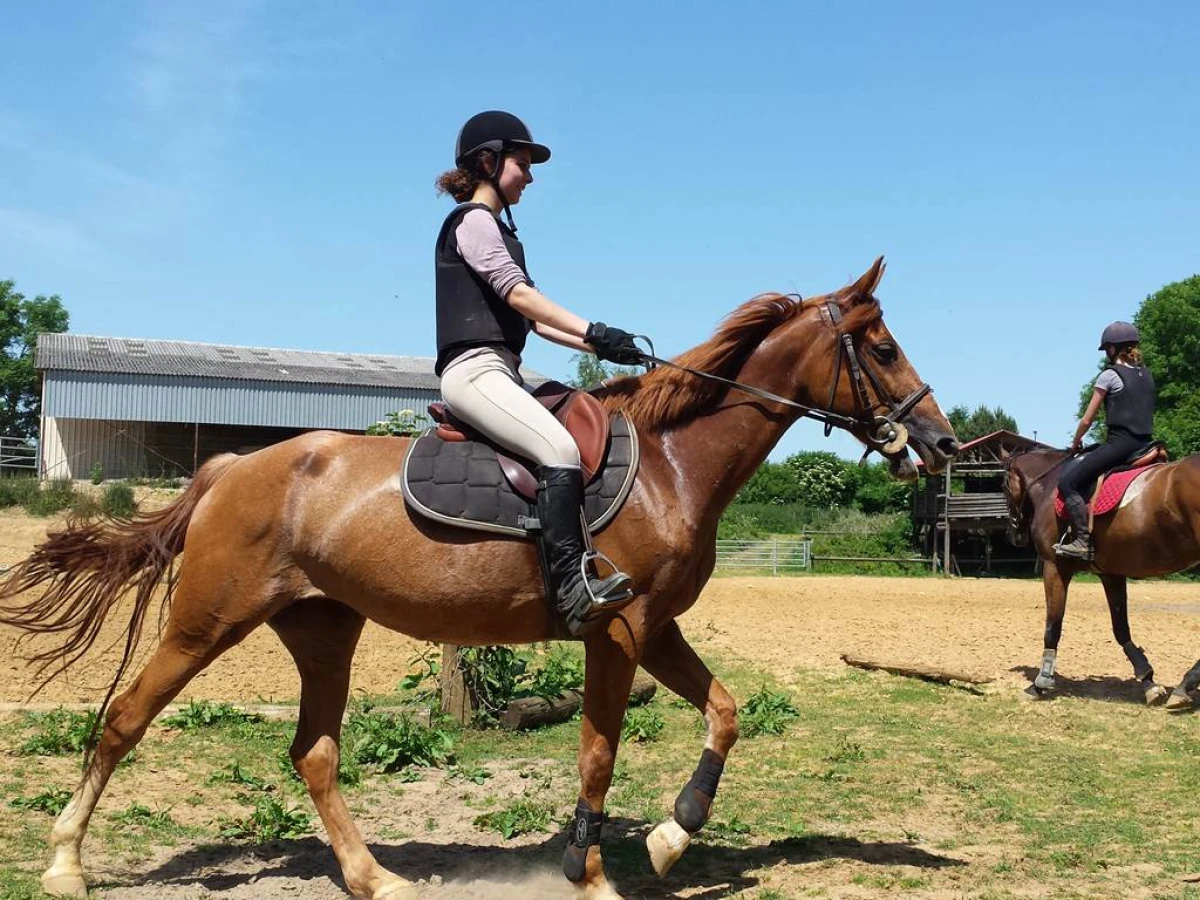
(642, 725)
(135, 814)
(766, 712)
(391, 742)
(49, 801)
(522, 817)
(59, 732)
(270, 821)
(206, 714)
(234, 774)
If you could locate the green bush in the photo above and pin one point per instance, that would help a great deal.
(97, 473)
(18, 490)
(53, 497)
(117, 500)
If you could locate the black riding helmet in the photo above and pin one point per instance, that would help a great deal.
(497, 131)
(1119, 333)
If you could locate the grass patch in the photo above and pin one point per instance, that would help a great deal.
(58, 732)
(206, 714)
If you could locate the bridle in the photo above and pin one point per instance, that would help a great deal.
(885, 433)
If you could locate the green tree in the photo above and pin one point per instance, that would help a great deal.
(772, 483)
(1169, 323)
(983, 421)
(21, 321)
(823, 479)
(590, 371)
(404, 423)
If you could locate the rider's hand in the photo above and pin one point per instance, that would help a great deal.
(1076, 445)
(613, 345)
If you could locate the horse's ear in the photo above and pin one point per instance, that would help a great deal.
(865, 286)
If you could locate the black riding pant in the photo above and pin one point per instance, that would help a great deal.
(1083, 470)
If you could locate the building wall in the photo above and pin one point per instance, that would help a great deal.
(70, 447)
(154, 398)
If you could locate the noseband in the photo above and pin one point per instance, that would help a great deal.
(885, 433)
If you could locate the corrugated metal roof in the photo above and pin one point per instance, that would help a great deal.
(134, 356)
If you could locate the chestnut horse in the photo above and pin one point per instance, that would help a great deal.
(312, 537)
(1155, 532)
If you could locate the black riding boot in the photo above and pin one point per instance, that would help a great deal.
(579, 595)
(1080, 546)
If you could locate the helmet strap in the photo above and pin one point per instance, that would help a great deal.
(495, 179)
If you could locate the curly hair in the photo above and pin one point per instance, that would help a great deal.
(460, 182)
(1129, 353)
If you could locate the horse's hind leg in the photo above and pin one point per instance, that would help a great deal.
(1117, 592)
(321, 635)
(184, 651)
(671, 660)
(1181, 697)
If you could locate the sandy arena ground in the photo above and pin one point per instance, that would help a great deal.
(991, 628)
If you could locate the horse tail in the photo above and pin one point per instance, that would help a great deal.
(86, 569)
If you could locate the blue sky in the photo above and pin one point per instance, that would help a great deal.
(261, 173)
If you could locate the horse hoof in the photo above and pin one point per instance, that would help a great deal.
(1042, 683)
(1179, 701)
(666, 844)
(63, 884)
(601, 891)
(396, 890)
(1156, 695)
(1033, 692)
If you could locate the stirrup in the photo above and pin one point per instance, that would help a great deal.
(607, 594)
(1074, 549)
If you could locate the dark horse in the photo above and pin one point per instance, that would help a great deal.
(1154, 532)
(312, 538)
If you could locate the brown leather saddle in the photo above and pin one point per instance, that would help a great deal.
(579, 412)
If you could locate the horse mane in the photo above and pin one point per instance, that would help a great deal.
(665, 397)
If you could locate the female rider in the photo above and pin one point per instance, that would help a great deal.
(486, 305)
(1126, 389)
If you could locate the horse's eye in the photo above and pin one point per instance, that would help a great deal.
(885, 353)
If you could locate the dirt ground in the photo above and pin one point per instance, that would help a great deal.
(991, 628)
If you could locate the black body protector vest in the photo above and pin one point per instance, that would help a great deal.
(469, 313)
(1131, 410)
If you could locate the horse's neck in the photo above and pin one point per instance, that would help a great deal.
(715, 454)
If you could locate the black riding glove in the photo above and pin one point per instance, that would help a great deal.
(613, 345)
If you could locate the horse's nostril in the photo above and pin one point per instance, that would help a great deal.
(948, 446)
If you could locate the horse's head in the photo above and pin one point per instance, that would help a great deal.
(868, 378)
(1023, 473)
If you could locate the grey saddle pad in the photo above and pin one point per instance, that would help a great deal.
(460, 483)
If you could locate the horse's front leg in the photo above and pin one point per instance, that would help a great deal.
(607, 680)
(1116, 590)
(1055, 582)
(671, 659)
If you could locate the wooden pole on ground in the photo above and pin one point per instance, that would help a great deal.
(942, 676)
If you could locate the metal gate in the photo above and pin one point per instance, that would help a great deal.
(775, 555)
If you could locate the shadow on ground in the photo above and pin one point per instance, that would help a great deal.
(706, 871)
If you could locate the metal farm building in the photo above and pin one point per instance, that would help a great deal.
(145, 408)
